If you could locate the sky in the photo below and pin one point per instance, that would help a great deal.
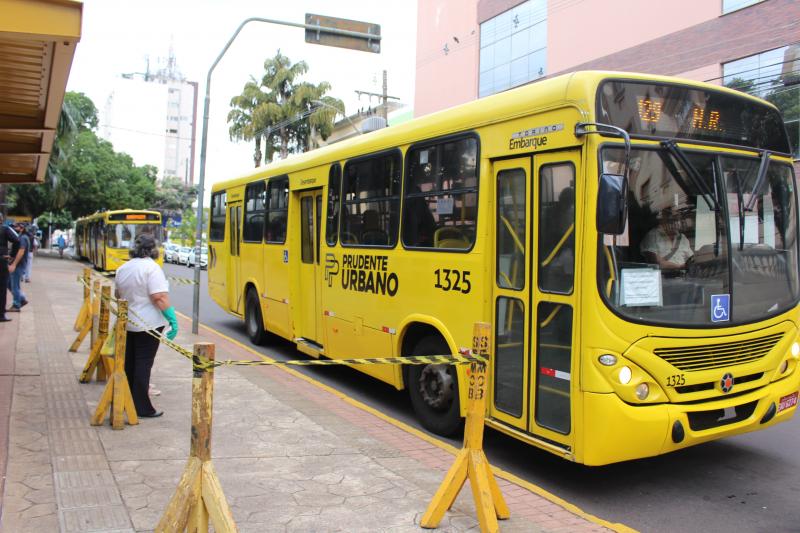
(119, 35)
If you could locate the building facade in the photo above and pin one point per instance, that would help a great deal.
(467, 49)
(152, 117)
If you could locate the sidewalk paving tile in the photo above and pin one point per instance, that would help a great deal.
(290, 455)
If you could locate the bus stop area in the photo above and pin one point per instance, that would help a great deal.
(290, 454)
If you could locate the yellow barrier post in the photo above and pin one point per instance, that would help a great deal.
(87, 301)
(471, 461)
(88, 323)
(116, 396)
(199, 495)
(95, 311)
(95, 361)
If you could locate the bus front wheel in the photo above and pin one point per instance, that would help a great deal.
(253, 320)
(434, 390)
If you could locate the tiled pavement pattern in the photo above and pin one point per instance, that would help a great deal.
(291, 456)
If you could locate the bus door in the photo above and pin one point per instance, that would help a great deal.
(534, 304)
(310, 286)
(234, 242)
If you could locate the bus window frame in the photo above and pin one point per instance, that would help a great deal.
(406, 163)
(263, 211)
(374, 155)
(223, 195)
(278, 178)
(574, 222)
(335, 232)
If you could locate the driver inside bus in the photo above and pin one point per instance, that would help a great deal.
(665, 245)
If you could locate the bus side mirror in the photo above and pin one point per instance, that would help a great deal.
(612, 205)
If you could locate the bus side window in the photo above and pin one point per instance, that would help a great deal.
(371, 200)
(277, 210)
(217, 223)
(334, 204)
(441, 195)
(253, 227)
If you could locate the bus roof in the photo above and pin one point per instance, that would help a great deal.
(103, 214)
(576, 88)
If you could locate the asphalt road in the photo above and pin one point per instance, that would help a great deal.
(749, 483)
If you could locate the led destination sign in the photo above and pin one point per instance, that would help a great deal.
(670, 111)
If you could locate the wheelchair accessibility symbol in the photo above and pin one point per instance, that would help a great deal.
(720, 307)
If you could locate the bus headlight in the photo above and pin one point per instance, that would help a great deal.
(783, 367)
(642, 391)
(795, 349)
(625, 375)
(607, 359)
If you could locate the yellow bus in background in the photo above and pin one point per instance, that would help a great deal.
(104, 238)
(632, 240)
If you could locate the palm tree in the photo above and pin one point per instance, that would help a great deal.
(241, 117)
(280, 110)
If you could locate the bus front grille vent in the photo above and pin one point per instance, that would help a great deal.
(700, 420)
(692, 358)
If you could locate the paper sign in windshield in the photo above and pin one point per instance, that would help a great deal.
(640, 287)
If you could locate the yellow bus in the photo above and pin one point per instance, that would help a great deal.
(104, 238)
(632, 239)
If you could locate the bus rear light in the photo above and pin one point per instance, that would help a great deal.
(608, 359)
(642, 391)
(625, 375)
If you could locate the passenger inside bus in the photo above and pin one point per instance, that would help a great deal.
(665, 245)
(371, 231)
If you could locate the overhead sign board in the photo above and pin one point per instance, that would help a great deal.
(368, 41)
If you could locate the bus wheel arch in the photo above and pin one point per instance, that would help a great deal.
(433, 389)
(253, 318)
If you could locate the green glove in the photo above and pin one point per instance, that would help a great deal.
(169, 314)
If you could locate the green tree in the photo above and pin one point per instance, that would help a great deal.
(280, 110)
(86, 173)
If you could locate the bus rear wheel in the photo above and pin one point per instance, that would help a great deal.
(253, 321)
(434, 390)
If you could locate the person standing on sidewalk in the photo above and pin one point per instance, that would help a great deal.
(34, 246)
(143, 284)
(17, 269)
(62, 243)
(8, 239)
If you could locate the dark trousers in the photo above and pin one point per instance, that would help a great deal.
(140, 352)
(3, 285)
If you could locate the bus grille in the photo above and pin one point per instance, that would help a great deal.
(690, 358)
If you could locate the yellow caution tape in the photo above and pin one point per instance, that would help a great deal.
(202, 363)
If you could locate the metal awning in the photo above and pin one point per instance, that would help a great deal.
(37, 45)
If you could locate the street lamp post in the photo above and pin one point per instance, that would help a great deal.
(369, 37)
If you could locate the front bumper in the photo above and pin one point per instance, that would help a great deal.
(616, 431)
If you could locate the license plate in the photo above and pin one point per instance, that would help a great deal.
(787, 402)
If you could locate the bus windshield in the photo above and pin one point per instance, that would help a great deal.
(122, 235)
(707, 242)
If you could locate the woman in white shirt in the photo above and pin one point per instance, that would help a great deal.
(143, 284)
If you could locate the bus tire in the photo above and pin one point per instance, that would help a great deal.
(434, 390)
(253, 320)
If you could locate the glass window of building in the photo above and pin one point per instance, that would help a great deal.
(513, 47)
(735, 5)
(773, 75)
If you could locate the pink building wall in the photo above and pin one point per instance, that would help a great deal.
(576, 33)
(446, 79)
(582, 31)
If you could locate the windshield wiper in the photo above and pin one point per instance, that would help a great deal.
(692, 173)
(762, 174)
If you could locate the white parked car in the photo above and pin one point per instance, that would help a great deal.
(171, 252)
(183, 255)
(190, 261)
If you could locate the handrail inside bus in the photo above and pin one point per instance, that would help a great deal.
(513, 233)
(557, 247)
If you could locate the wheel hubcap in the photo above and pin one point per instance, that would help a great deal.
(436, 386)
